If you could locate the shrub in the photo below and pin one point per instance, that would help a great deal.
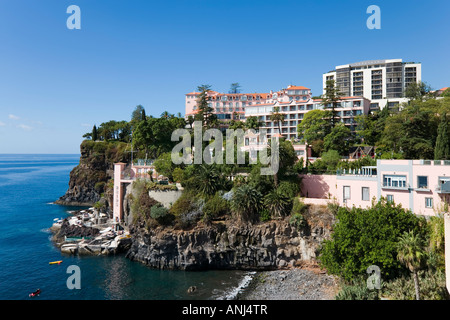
(161, 214)
(178, 174)
(215, 206)
(141, 202)
(264, 215)
(100, 186)
(364, 237)
(297, 220)
(432, 287)
(357, 290)
(289, 189)
(187, 210)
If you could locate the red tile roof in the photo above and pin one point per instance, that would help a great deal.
(297, 88)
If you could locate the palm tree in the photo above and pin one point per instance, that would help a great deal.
(246, 202)
(165, 115)
(277, 117)
(210, 180)
(412, 254)
(276, 202)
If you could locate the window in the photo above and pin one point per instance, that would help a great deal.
(390, 198)
(422, 182)
(365, 193)
(346, 193)
(394, 181)
(428, 202)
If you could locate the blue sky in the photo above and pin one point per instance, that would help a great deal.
(56, 83)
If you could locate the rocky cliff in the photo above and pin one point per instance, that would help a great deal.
(89, 179)
(227, 245)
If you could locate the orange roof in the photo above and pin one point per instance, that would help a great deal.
(297, 88)
(443, 89)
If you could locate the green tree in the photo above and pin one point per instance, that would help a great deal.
(331, 159)
(277, 117)
(393, 132)
(411, 253)
(340, 139)
(417, 91)
(94, 133)
(234, 88)
(286, 158)
(314, 125)
(138, 114)
(166, 115)
(204, 109)
(442, 148)
(446, 93)
(252, 122)
(370, 127)
(365, 237)
(164, 165)
(331, 98)
(418, 132)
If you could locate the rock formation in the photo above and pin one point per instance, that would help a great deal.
(226, 245)
(89, 179)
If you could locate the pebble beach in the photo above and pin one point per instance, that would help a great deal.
(290, 284)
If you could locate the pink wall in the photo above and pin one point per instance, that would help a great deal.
(356, 192)
(318, 186)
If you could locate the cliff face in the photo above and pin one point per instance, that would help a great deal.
(89, 179)
(264, 246)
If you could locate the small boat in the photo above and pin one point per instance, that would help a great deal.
(36, 293)
(55, 262)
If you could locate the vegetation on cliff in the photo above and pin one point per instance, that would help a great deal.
(89, 180)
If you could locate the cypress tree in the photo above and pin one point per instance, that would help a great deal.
(442, 147)
(94, 133)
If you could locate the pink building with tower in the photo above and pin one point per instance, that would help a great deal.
(123, 175)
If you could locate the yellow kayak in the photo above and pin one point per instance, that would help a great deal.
(55, 262)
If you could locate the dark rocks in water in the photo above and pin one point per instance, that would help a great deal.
(71, 231)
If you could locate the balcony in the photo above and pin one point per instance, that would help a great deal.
(367, 171)
(443, 187)
(143, 162)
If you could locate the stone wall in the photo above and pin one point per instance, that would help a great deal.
(166, 198)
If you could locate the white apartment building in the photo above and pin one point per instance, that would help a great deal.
(381, 81)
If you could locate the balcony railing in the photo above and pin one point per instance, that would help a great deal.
(443, 187)
(143, 162)
(436, 162)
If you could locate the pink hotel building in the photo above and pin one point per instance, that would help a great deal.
(294, 102)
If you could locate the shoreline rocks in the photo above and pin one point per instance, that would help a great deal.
(77, 235)
(264, 246)
(292, 284)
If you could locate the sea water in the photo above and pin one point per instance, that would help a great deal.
(28, 186)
